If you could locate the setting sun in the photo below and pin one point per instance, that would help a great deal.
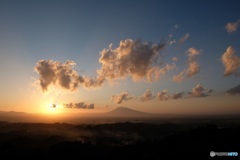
(52, 108)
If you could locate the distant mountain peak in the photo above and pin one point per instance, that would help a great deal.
(122, 108)
(127, 112)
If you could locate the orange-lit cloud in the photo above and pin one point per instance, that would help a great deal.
(199, 91)
(231, 62)
(184, 38)
(175, 59)
(179, 77)
(147, 96)
(232, 26)
(193, 65)
(119, 98)
(133, 58)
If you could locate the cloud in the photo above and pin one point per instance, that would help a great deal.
(192, 52)
(177, 95)
(199, 91)
(176, 26)
(231, 62)
(234, 90)
(175, 59)
(164, 96)
(193, 68)
(154, 73)
(184, 38)
(147, 96)
(193, 65)
(54, 72)
(80, 105)
(119, 98)
(63, 75)
(133, 58)
(171, 42)
(232, 26)
(179, 77)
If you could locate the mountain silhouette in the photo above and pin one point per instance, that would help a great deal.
(127, 112)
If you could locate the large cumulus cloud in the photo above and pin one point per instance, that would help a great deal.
(54, 72)
(63, 75)
(231, 62)
(133, 58)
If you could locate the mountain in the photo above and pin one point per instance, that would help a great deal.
(127, 112)
(13, 116)
(115, 115)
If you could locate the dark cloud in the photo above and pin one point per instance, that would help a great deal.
(119, 98)
(164, 96)
(199, 91)
(234, 90)
(177, 95)
(147, 96)
(231, 62)
(80, 105)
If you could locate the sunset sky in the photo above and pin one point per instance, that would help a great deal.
(153, 56)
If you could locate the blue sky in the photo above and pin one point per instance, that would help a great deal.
(36, 30)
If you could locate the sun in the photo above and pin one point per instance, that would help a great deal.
(53, 108)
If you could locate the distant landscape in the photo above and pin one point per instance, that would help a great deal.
(143, 136)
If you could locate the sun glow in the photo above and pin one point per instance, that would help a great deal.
(52, 108)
